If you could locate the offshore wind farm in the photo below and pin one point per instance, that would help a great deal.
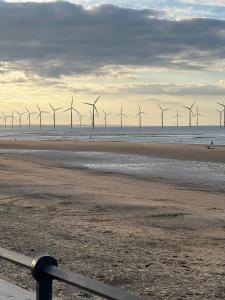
(112, 148)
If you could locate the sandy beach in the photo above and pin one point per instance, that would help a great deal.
(177, 151)
(154, 238)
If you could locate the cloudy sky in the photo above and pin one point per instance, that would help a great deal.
(166, 52)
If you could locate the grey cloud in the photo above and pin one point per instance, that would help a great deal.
(174, 89)
(58, 38)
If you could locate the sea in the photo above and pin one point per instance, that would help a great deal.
(210, 175)
(177, 135)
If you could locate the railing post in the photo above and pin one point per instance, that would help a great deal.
(43, 281)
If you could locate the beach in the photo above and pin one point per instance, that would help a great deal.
(155, 238)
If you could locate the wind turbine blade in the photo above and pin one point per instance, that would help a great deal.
(96, 110)
(97, 99)
(160, 106)
(75, 110)
(51, 106)
(139, 108)
(221, 104)
(38, 108)
(193, 104)
(67, 109)
(88, 103)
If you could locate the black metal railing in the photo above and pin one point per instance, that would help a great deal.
(45, 269)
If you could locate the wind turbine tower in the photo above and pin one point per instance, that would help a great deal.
(71, 109)
(54, 113)
(190, 112)
(5, 119)
(9, 116)
(105, 117)
(139, 114)
(197, 115)
(80, 118)
(162, 113)
(223, 105)
(221, 115)
(40, 115)
(121, 115)
(20, 117)
(29, 116)
(177, 116)
(94, 109)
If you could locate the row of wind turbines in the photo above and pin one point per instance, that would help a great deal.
(94, 113)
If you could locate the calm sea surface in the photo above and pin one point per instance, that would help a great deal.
(181, 135)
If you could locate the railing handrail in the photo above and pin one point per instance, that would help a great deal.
(44, 269)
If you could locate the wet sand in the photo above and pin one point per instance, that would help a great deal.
(177, 151)
(155, 239)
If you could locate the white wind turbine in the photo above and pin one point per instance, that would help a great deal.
(80, 118)
(40, 115)
(162, 113)
(121, 115)
(54, 113)
(223, 105)
(190, 112)
(20, 117)
(177, 116)
(5, 119)
(197, 115)
(221, 115)
(71, 109)
(105, 116)
(10, 117)
(29, 114)
(94, 109)
(139, 114)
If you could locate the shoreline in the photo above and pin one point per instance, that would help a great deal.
(176, 151)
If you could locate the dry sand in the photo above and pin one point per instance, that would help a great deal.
(156, 239)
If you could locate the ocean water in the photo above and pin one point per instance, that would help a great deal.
(207, 174)
(178, 135)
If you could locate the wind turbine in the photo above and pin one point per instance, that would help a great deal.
(197, 115)
(9, 116)
(177, 116)
(121, 115)
(105, 117)
(223, 105)
(80, 118)
(5, 119)
(71, 109)
(162, 113)
(221, 115)
(93, 110)
(29, 116)
(190, 112)
(20, 117)
(54, 112)
(40, 115)
(139, 114)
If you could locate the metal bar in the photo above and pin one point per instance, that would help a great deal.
(16, 258)
(89, 285)
(44, 288)
(45, 269)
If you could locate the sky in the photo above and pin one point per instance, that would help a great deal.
(163, 52)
